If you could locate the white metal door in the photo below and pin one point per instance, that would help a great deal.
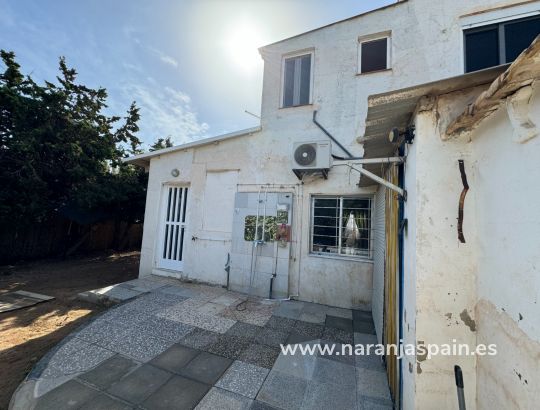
(173, 227)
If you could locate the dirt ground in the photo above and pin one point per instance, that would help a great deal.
(27, 334)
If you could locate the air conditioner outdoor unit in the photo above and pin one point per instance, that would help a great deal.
(313, 155)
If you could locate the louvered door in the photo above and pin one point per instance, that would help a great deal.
(173, 227)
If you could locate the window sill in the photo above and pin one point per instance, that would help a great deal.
(374, 72)
(296, 106)
(363, 259)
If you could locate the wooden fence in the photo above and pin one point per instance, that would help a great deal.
(61, 237)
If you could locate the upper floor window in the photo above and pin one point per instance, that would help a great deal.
(374, 55)
(500, 43)
(297, 80)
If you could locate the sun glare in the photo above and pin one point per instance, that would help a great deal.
(242, 45)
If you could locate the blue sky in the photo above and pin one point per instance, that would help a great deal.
(191, 66)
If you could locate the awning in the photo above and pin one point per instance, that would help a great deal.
(395, 109)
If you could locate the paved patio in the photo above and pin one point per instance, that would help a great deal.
(175, 345)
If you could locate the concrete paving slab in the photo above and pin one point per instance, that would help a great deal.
(340, 312)
(283, 391)
(174, 358)
(365, 339)
(109, 371)
(260, 355)
(221, 399)
(109, 294)
(324, 396)
(228, 346)
(139, 384)
(178, 393)
(70, 395)
(243, 378)
(206, 367)
(317, 318)
(372, 383)
(339, 323)
(259, 405)
(364, 327)
(289, 309)
(104, 402)
(330, 371)
(362, 315)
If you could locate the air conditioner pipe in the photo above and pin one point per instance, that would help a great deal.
(345, 150)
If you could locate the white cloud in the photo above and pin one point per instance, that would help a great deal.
(165, 112)
(168, 60)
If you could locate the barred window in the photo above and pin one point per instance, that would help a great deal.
(341, 225)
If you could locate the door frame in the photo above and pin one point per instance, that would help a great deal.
(160, 261)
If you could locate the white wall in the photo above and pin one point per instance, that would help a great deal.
(507, 215)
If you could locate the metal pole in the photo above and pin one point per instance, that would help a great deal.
(459, 385)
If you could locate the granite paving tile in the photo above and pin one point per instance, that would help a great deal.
(101, 331)
(206, 367)
(340, 353)
(139, 384)
(243, 378)
(260, 355)
(226, 300)
(365, 339)
(324, 396)
(339, 323)
(372, 383)
(297, 365)
(174, 358)
(211, 308)
(289, 309)
(283, 391)
(75, 356)
(228, 346)
(362, 315)
(208, 322)
(364, 327)
(163, 328)
(221, 399)
(255, 313)
(70, 395)
(280, 323)
(374, 403)
(177, 393)
(109, 371)
(177, 291)
(331, 371)
(308, 329)
(138, 346)
(244, 330)
(200, 339)
(271, 337)
(338, 335)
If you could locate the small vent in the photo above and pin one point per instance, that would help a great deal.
(305, 155)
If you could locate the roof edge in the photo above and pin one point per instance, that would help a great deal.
(144, 159)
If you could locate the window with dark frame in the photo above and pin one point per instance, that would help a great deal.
(500, 43)
(297, 81)
(341, 226)
(374, 55)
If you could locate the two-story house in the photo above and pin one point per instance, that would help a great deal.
(281, 210)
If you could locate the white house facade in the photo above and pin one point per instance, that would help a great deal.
(317, 205)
